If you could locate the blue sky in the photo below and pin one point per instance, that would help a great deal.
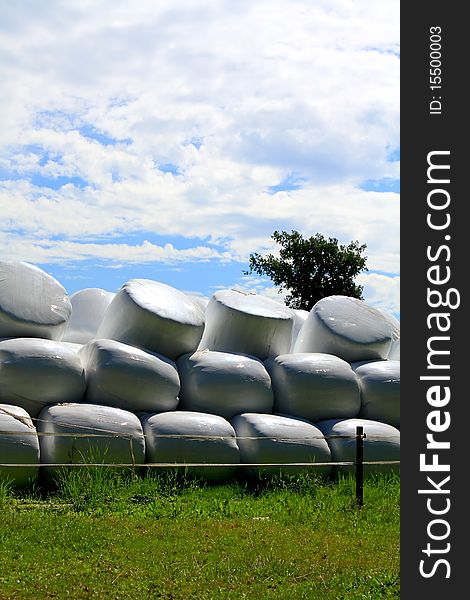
(169, 140)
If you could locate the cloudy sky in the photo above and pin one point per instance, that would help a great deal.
(168, 139)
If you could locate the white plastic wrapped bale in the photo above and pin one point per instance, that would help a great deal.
(314, 386)
(153, 316)
(345, 327)
(380, 391)
(72, 346)
(88, 433)
(278, 439)
(129, 378)
(32, 302)
(394, 353)
(382, 443)
(358, 363)
(35, 373)
(251, 324)
(19, 445)
(393, 321)
(88, 308)
(300, 316)
(224, 384)
(203, 301)
(75, 347)
(192, 437)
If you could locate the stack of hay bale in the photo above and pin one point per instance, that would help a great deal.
(149, 375)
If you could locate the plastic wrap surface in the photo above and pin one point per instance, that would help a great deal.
(300, 316)
(127, 377)
(192, 437)
(241, 323)
(32, 302)
(88, 308)
(153, 316)
(280, 439)
(345, 327)
(314, 386)
(36, 372)
(382, 443)
(89, 433)
(19, 444)
(380, 391)
(224, 384)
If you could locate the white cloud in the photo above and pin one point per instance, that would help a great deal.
(381, 291)
(59, 251)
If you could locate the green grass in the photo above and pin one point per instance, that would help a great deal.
(100, 534)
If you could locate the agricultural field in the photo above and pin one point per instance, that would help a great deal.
(100, 534)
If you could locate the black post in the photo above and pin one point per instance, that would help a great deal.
(360, 465)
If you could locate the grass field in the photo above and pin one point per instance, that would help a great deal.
(97, 534)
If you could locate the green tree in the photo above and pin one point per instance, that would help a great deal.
(311, 268)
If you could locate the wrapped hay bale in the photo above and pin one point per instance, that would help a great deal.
(380, 391)
(74, 347)
(224, 384)
(394, 323)
(32, 302)
(314, 386)
(276, 439)
(241, 323)
(18, 445)
(88, 433)
(300, 316)
(153, 316)
(394, 353)
(88, 308)
(345, 327)
(382, 443)
(203, 301)
(36, 372)
(192, 437)
(127, 377)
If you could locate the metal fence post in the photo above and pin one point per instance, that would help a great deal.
(360, 435)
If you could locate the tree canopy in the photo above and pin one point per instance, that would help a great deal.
(311, 268)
